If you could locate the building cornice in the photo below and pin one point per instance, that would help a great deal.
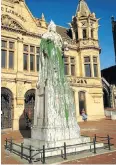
(21, 31)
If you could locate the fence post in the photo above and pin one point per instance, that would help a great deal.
(21, 150)
(95, 137)
(43, 154)
(11, 145)
(94, 146)
(30, 156)
(109, 142)
(65, 151)
(6, 143)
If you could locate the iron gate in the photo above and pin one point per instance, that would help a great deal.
(6, 108)
(30, 104)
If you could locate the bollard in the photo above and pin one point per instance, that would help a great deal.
(94, 146)
(65, 151)
(109, 142)
(6, 143)
(30, 156)
(21, 150)
(43, 154)
(11, 145)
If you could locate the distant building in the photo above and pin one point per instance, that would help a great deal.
(21, 36)
(109, 77)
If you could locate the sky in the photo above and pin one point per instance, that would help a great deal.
(61, 12)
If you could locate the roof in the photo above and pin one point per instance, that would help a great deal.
(64, 32)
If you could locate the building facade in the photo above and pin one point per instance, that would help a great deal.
(21, 36)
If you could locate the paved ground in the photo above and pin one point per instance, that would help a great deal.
(101, 128)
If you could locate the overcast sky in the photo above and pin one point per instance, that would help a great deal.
(61, 12)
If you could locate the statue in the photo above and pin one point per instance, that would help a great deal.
(54, 115)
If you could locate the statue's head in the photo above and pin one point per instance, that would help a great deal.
(52, 26)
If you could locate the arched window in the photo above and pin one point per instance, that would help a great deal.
(82, 101)
(84, 33)
(92, 33)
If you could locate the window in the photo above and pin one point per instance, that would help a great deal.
(25, 61)
(4, 44)
(66, 69)
(66, 65)
(11, 45)
(31, 58)
(84, 33)
(87, 66)
(7, 54)
(37, 50)
(95, 66)
(25, 48)
(69, 65)
(82, 102)
(92, 33)
(76, 34)
(11, 60)
(3, 58)
(37, 58)
(32, 49)
(72, 61)
(32, 62)
(37, 62)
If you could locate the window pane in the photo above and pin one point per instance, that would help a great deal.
(25, 59)
(73, 70)
(4, 44)
(3, 58)
(84, 33)
(25, 48)
(31, 62)
(37, 60)
(95, 59)
(66, 69)
(32, 49)
(72, 60)
(86, 59)
(87, 70)
(37, 50)
(11, 45)
(11, 60)
(65, 59)
(95, 70)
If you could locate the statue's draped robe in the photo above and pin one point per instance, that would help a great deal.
(59, 96)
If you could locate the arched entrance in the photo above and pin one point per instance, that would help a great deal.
(30, 103)
(82, 101)
(6, 108)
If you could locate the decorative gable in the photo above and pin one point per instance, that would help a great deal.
(9, 22)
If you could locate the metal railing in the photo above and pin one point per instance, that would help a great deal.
(30, 157)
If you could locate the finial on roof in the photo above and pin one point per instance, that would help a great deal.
(42, 17)
(83, 8)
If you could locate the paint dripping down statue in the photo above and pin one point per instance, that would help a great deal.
(55, 113)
